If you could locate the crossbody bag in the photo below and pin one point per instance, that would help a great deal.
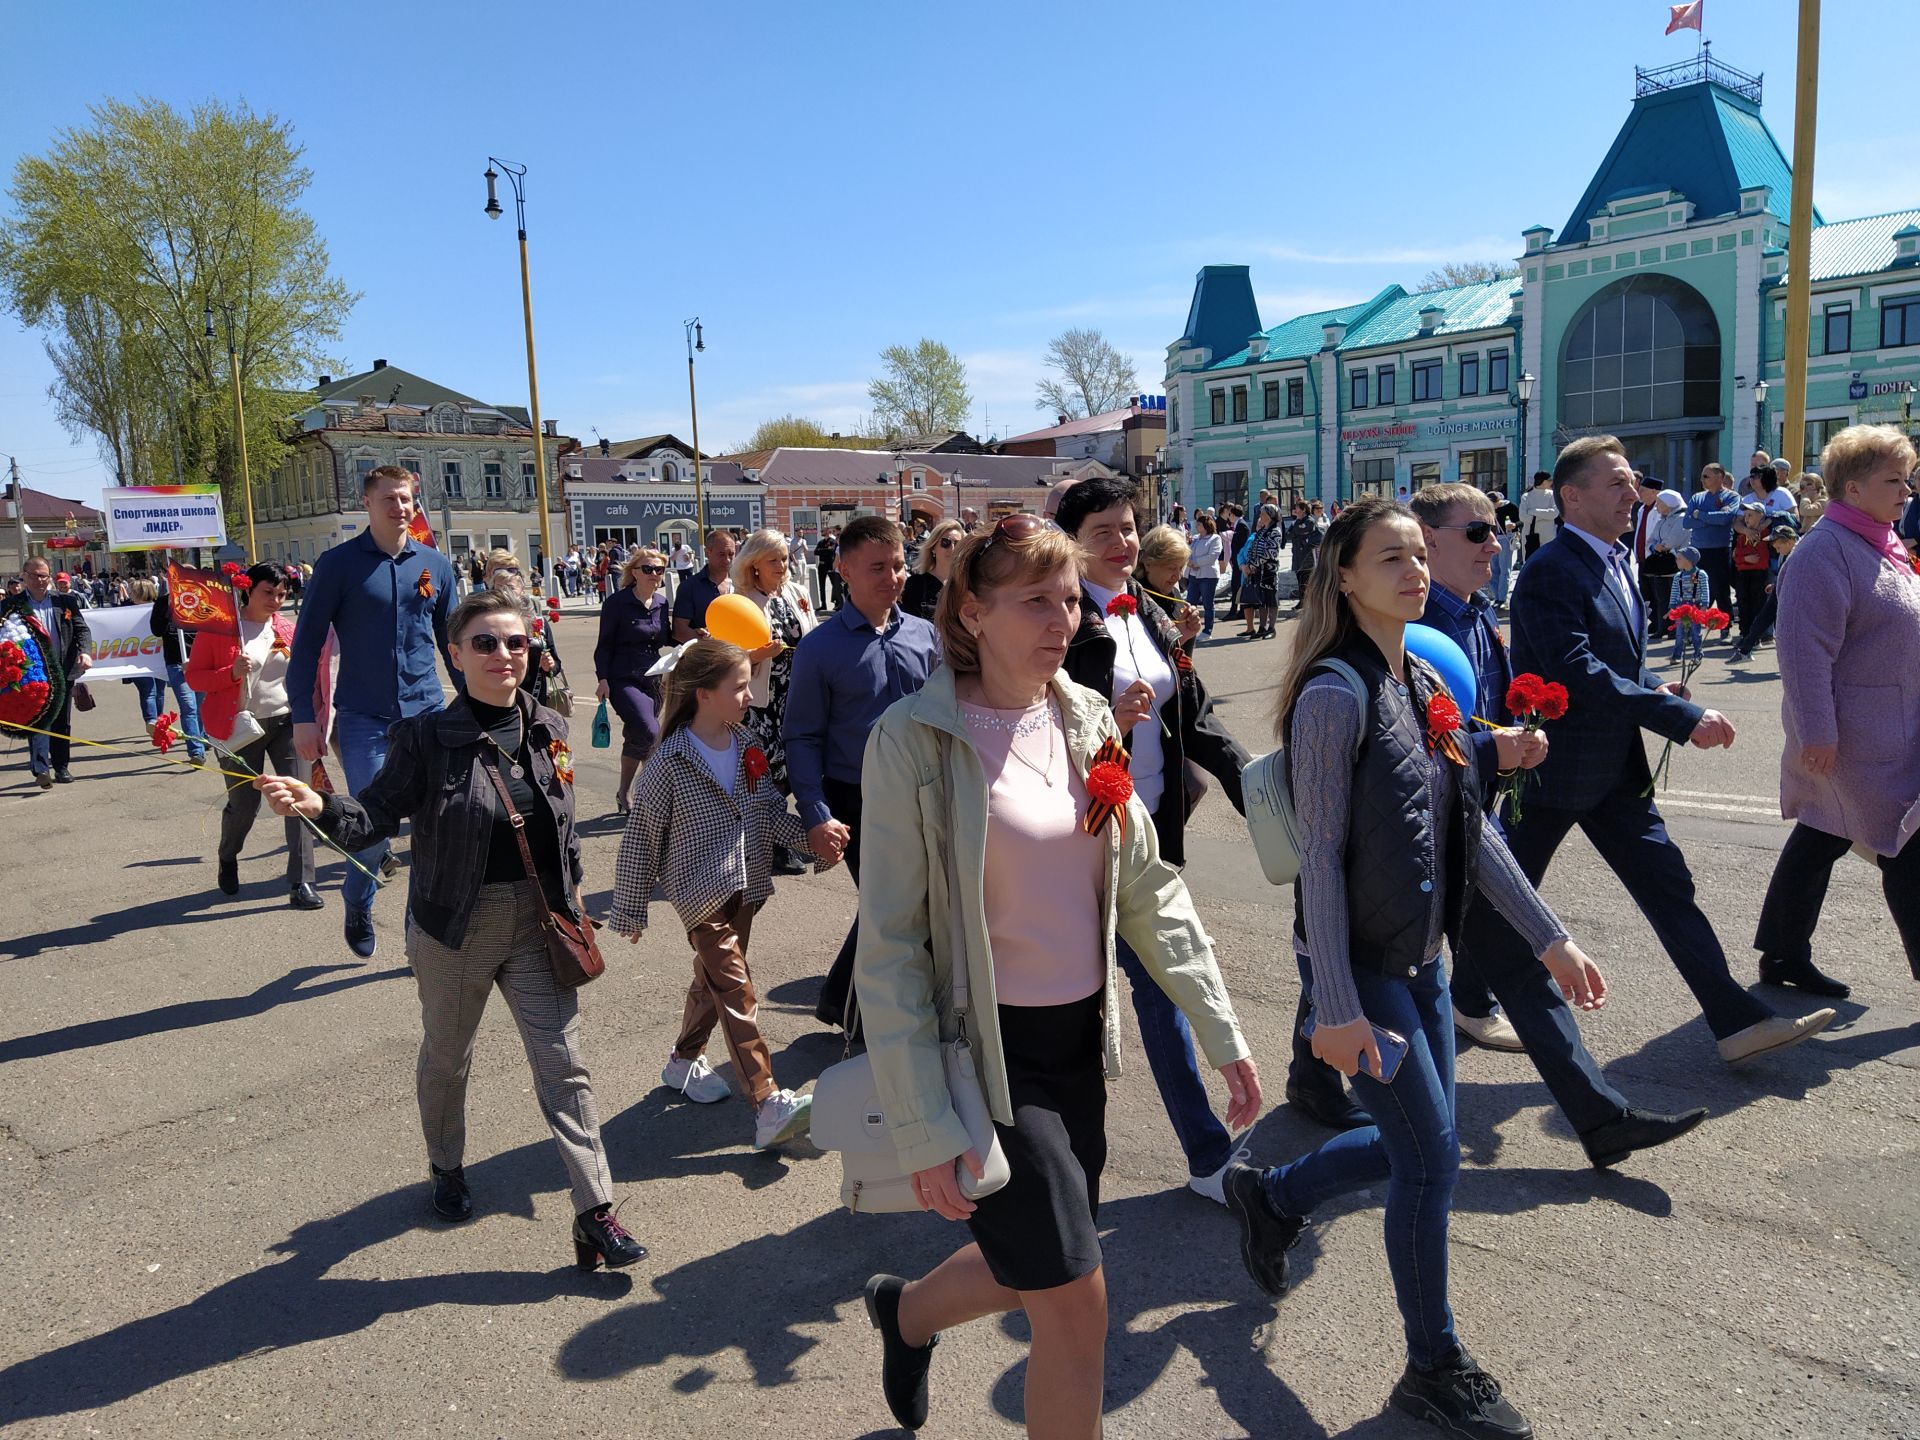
(572, 950)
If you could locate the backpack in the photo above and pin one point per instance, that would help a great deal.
(1269, 800)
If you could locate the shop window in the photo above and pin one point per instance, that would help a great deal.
(1239, 404)
(1287, 483)
(1358, 399)
(1469, 374)
(1425, 473)
(1217, 407)
(1837, 338)
(1383, 386)
(1270, 400)
(1373, 477)
(1427, 384)
(1229, 487)
(1900, 321)
(1486, 469)
(1296, 397)
(1496, 372)
(1818, 433)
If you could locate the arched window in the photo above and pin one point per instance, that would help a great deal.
(669, 471)
(1645, 349)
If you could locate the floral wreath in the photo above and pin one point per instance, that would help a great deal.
(32, 685)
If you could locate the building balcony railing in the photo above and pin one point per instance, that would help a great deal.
(1691, 72)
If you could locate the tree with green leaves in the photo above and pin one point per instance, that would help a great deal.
(1467, 272)
(1093, 376)
(123, 237)
(799, 433)
(924, 390)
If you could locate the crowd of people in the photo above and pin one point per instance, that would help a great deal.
(1001, 729)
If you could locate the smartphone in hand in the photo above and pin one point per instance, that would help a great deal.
(1393, 1049)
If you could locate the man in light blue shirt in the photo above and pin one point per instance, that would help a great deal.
(1710, 516)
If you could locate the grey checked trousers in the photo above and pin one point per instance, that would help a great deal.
(505, 948)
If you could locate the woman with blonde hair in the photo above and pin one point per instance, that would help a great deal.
(505, 577)
(1021, 859)
(1849, 627)
(922, 594)
(1164, 552)
(634, 627)
(761, 572)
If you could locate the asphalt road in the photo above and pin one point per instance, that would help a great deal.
(215, 1218)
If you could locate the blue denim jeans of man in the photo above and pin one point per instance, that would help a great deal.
(363, 751)
(1502, 574)
(187, 700)
(1412, 1146)
(1168, 1042)
(1200, 594)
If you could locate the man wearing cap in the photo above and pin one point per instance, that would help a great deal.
(59, 615)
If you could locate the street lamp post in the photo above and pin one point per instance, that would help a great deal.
(696, 340)
(1524, 390)
(900, 477)
(1760, 436)
(517, 177)
(1351, 495)
(239, 417)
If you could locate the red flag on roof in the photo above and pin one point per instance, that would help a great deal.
(1686, 17)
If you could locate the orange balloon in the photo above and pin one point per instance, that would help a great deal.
(738, 621)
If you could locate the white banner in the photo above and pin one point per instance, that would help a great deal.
(124, 646)
(164, 517)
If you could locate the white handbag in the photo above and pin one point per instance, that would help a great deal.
(1269, 799)
(848, 1115)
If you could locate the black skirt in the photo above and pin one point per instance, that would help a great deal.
(1038, 1232)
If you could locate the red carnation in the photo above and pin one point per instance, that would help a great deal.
(163, 732)
(1443, 715)
(756, 765)
(1552, 703)
(243, 582)
(1523, 695)
(232, 570)
(1123, 605)
(1107, 782)
(1716, 619)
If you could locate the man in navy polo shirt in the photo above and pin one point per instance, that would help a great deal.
(387, 599)
(703, 587)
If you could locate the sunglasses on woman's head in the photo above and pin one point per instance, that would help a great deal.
(485, 643)
(1021, 526)
(1476, 531)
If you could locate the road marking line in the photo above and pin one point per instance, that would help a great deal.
(1770, 813)
(1721, 795)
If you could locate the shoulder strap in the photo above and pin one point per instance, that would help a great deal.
(1346, 672)
(519, 824)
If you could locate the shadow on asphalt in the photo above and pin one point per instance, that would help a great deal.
(296, 1302)
(190, 1014)
(191, 909)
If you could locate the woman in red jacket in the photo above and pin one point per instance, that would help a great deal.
(248, 672)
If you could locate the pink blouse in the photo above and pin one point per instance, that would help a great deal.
(1043, 872)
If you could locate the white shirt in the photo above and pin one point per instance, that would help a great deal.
(1616, 575)
(266, 690)
(1136, 657)
(683, 558)
(1781, 502)
(721, 764)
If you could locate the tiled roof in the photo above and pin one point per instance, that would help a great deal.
(1085, 425)
(1858, 247)
(1303, 335)
(1480, 306)
(392, 385)
(40, 505)
(793, 465)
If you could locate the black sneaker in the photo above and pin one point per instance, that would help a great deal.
(903, 1367)
(229, 876)
(1461, 1399)
(1265, 1233)
(359, 932)
(451, 1198)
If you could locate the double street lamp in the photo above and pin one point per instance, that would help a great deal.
(239, 415)
(517, 177)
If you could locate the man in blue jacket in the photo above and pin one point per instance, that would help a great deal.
(387, 599)
(1578, 620)
(1710, 516)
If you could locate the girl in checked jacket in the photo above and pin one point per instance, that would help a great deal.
(708, 791)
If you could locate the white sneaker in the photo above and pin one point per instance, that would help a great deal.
(1494, 1031)
(694, 1079)
(1776, 1032)
(1214, 1186)
(781, 1116)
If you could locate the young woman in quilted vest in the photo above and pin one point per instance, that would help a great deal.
(1392, 850)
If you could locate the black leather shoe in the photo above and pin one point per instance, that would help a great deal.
(1336, 1109)
(359, 931)
(1614, 1141)
(600, 1239)
(229, 877)
(1265, 1233)
(451, 1199)
(1462, 1399)
(786, 862)
(304, 897)
(63, 776)
(1802, 975)
(903, 1367)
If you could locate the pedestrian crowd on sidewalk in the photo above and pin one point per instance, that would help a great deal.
(1002, 731)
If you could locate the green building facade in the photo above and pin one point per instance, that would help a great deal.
(1656, 313)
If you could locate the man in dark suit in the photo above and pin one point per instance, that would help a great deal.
(1578, 619)
(59, 615)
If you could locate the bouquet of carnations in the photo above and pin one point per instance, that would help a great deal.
(1709, 617)
(1532, 701)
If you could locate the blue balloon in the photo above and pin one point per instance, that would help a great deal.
(1444, 654)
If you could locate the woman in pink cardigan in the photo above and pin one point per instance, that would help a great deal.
(1850, 773)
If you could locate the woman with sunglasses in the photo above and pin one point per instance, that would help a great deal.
(473, 920)
(505, 576)
(922, 595)
(762, 572)
(634, 626)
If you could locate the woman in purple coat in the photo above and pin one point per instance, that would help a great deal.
(1850, 773)
(634, 625)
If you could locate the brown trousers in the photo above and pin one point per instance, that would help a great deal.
(722, 994)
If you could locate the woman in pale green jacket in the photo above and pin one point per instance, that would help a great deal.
(985, 774)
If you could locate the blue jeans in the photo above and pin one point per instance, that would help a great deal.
(363, 751)
(1502, 574)
(1200, 593)
(1412, 1146)
(1684, 631)
(1168, 1041)
(189, 707)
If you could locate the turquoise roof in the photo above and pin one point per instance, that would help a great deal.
(1479, 306)
(1303, 335)
(1858, 247)
(1702, 140)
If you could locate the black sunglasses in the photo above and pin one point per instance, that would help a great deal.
(1476, 531)
(653, 569)
(486, 642)
(1023, 525)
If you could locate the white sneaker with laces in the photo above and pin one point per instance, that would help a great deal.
(781, 1116)
(1494, 1031)
(694, 1079)
(1214, 1186)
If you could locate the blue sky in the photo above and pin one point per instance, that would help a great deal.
(819, 182)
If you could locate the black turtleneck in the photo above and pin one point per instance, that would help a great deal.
(504, 865)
